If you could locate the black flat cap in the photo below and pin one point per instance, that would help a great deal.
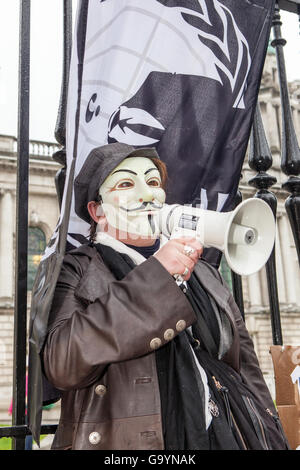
(98, 165)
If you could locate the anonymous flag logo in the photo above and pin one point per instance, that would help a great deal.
(134, 126)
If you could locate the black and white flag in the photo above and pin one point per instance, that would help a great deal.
(179, 75)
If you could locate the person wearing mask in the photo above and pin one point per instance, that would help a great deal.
(145, 341)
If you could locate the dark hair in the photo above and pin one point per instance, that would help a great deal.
(164, 177)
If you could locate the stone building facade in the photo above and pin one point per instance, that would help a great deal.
(44, 213)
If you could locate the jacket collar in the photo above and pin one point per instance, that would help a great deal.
(94, 281)
(88, 287)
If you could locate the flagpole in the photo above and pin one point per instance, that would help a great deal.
(236, 279)
(60, 128)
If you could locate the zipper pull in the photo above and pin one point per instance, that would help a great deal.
(220, 387)
(217, 383)
(275, 417)
(224, 391)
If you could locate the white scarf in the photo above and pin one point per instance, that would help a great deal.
(108, 240)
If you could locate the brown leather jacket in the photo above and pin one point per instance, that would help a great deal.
(100, 349)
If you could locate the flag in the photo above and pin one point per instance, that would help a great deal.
(178, 75)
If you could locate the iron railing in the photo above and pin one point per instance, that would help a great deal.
(20, 317)
(19, 428)
(260, 160)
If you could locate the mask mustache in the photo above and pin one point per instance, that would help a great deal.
(143, 206)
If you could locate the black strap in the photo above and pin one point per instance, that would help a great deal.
(206, 323)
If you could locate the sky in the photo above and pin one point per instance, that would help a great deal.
(46, 63)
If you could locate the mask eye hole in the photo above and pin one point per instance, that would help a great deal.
(124, 184)
(155, 182)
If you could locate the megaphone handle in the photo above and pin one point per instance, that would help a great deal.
(180, 282)
(178, 278)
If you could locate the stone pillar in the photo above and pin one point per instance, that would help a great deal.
(253, 330)
(270, 120)
(254, 289)
(6, 246)
(279, 265)
(290, 276)
(264, 287)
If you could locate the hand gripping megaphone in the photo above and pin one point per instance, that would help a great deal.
(246, 235)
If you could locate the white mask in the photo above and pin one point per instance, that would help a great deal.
(131, 195)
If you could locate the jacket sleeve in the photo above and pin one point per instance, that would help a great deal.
(128, 320)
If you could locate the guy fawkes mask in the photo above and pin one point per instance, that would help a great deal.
(131, 196)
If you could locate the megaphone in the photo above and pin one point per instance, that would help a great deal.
(245, 235)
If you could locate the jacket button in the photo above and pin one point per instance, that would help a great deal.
(100, 390)
(94, 438)
(169, 334)
(155, 343)
(181, 325)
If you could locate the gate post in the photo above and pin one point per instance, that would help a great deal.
(290, 152)
(260, 160)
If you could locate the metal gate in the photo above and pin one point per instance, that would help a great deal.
(260, 160)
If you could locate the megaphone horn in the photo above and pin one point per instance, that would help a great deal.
(250, 236)
(245, 235)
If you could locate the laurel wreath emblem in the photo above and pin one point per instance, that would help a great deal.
(218, 30)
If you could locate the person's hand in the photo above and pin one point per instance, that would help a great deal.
(179, 256)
